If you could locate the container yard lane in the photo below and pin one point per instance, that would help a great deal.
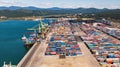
(87, 59)
(104, 47)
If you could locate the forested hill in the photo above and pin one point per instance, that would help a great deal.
(34, 11)
(114, 14)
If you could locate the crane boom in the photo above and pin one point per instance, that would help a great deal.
(40, 28)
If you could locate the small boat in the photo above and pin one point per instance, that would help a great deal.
(8, 65)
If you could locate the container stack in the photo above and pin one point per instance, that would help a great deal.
(115, 32)
(63, 41)
(103, 48)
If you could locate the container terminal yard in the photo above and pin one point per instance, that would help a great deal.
(76, 44)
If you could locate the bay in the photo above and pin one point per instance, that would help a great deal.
(11, 46)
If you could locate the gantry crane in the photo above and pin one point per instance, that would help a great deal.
(41, 29)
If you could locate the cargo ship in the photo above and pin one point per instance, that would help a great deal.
(29, 41)
(37, 35)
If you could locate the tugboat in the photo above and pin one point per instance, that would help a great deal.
(39, 33)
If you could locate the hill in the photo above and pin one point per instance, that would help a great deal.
(15, 11)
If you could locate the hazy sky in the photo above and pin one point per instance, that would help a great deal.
(63, 3)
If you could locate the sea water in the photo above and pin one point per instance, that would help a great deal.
(12, 48)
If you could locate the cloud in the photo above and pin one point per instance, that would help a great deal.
(5, 3)
(12, 3)
(43, 4)
(58, 4)
(19, 3)
(111, 6)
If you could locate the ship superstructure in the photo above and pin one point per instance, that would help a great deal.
(38, 34)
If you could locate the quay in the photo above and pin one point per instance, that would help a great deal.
(70, 44)
(36, 55)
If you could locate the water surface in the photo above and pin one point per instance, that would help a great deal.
(11, 47)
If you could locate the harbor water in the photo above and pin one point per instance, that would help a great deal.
(11, 46)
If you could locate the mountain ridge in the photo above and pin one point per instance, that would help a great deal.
(16, 11)
(37, 8)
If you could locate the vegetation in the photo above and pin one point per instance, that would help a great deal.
(90, 12)
(112, 14)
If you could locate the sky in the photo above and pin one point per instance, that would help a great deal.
(111, 4)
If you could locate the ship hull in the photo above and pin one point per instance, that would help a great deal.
(29, 45)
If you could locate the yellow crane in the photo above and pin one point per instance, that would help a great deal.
(40, 27)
